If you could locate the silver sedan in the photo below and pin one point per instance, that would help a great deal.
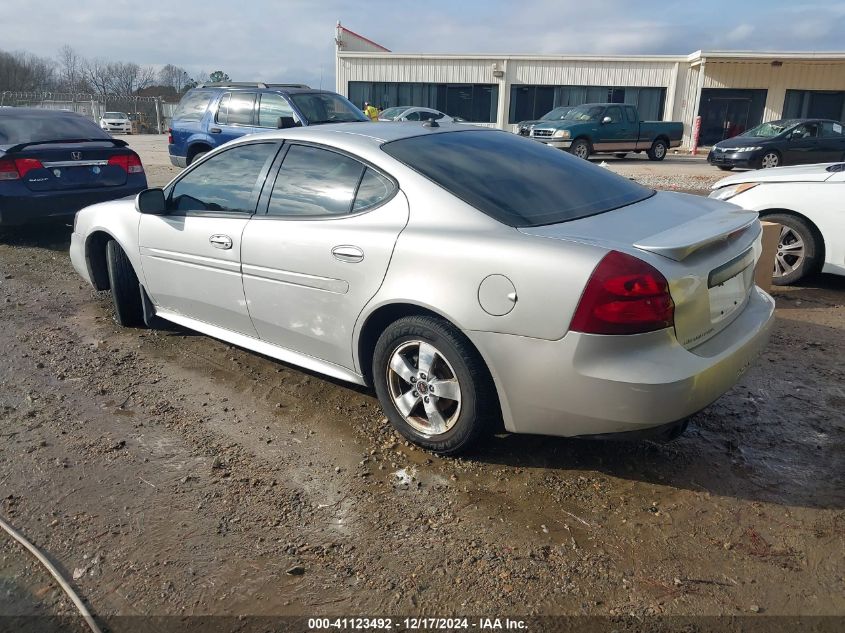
(472, 277)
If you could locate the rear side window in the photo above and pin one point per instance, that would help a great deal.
(632, 114)
(374, 189)
(831, 129)
(240, 108)
(314, 181)
(193, 105)
(32, 127)
(225, 182)
(515, 180)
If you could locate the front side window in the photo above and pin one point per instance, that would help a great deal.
(615, 114)
(225, 182)
(326, 107)
(515, 180)
(804, 131)
(272, 107)
(412, 116)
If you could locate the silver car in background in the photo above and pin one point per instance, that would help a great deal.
(469, 275)
(412, 113)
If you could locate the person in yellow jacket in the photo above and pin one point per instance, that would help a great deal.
(371, 111)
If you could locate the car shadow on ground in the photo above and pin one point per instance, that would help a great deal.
(54, 236)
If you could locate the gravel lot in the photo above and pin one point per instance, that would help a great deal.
(169, 473)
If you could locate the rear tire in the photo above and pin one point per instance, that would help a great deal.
(192, 158)
(799, 249)
(725, 167)
(125, 288)
(445, 424)
(658, 150)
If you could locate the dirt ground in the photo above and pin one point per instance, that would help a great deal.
(169, 473)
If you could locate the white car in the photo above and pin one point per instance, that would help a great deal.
(409, 113)
(809, 202)
(116, 122)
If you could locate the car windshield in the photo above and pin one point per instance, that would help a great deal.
(770, 129)
(391, 113)
(584, 113)
(556, 115)
(32, 128)
(514, 180)
(324, 107)
(115, 115)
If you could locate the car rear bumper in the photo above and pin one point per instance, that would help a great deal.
(179, 161)
(17, 210)
(590, 385)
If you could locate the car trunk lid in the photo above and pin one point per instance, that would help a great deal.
(62, 166)
(705, 248)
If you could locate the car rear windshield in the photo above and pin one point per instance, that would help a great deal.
(31, 128)
(193, 105)
(514, 180)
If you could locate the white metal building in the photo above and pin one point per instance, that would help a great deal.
(731, 91)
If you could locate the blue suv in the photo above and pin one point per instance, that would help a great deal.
(212, 114)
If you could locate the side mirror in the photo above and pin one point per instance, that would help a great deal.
(606, 119)
(151, 201)
(285, 122)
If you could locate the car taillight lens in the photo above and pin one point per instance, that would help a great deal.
(170, 136)
(624, 295)
(130, 163)
(14, 168)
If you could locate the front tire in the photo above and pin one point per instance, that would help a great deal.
(658, 150)
(125, 288)
(580, 148)
(433, 385)
(799, 247)
(725, 167)
(770, 160)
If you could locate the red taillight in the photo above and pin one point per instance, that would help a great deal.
(130, 163)
(14, 168)
(170, 136)
(624, 295)
(8, 170)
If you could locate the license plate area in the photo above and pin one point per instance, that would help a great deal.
(729, 286)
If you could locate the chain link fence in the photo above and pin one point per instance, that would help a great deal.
(149, 115)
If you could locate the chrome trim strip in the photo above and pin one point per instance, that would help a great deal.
(327, 284)
(75, 163)
(192, 260)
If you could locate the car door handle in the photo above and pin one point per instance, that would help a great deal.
(215, 130)
(221, 241)
(350, 254)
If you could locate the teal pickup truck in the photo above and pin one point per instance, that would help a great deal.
(609, 128)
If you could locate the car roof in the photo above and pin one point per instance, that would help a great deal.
(269, 88)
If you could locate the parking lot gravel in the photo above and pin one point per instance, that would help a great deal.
(169, 473)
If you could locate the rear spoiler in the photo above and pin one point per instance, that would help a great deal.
(16, 148)
(682, 241)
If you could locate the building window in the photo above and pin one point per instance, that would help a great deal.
(814, 104)
(477, 103)
(529, 103)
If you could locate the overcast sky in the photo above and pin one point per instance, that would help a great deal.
(292, 40)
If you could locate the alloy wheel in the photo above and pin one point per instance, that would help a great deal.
(424, 388)
(790, 253)
(770, 160)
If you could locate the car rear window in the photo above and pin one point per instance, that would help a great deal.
(517, 181)
(31, 128)
(193, 105)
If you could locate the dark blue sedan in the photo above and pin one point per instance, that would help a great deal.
(54, 163)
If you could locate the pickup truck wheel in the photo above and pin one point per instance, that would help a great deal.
(658, 150)
(125, 288)
(580, 148)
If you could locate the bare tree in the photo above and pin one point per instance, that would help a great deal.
(174, 76)
(71, 71)
(23, 71)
